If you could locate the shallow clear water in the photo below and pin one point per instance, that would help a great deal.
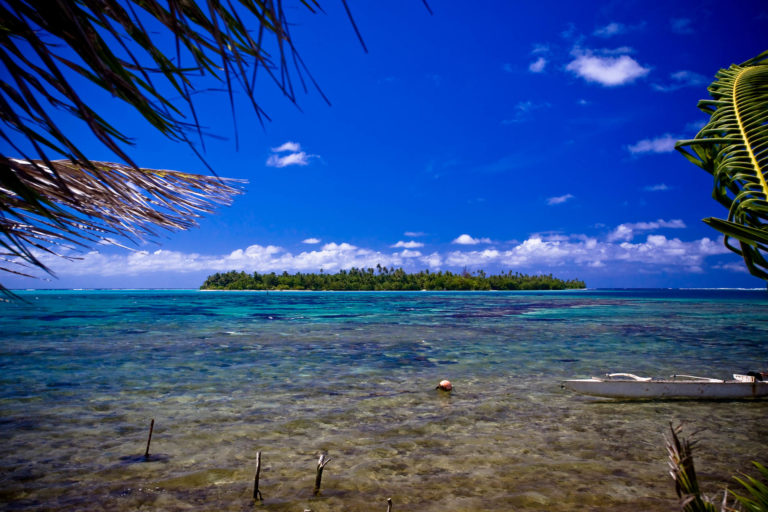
(227, 374)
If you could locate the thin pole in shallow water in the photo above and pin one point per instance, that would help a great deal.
(149, 439)
(256, 492)
(319, 476)
(389, 504)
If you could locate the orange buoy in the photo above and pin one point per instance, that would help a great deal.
(445, 385)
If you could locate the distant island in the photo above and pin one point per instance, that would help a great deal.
(386, 279)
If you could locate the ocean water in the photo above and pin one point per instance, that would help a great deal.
(293, 374)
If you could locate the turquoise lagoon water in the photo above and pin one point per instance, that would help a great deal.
(227, 374)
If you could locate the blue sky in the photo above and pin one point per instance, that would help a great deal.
(524, 136)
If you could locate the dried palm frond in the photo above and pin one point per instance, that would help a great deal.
(67, 205)
(680, 460)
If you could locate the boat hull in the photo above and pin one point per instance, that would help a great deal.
(669, 389)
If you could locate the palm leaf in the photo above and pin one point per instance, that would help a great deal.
(63, 205)
(54, 196)
(682, 471)
(757, 500)
(733, 148)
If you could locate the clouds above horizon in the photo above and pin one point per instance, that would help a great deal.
(627, 232)
(539, 253)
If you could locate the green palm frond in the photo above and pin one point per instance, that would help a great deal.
(733, 148)
(757, 500)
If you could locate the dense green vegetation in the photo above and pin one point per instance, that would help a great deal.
(383, 278)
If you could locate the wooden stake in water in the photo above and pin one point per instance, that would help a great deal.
(149, 439)
(389, 504)
(256, 492)
(320, 466)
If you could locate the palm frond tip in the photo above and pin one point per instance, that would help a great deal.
(733, 148)
(49, 207)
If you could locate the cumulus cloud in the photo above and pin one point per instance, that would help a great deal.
(293, 147)
(538, 65)
(663, 144)
(680, 79)
(468, 240)
(627, 231)
(294, 157)
(412, 244)
(606, 69)
(300, 158)
(559, 199)
(406, 253)
(311, 241)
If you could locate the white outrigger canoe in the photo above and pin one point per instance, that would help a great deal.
(627, 385)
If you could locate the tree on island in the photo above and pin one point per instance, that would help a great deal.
(382, 279)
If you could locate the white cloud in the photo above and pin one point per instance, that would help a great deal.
(559, 199)
(300, 158)
(405, 253)
(538, 65)
(293, 147)
(412, 244)
(414, 234)
(468, 240)
(606, 70)
(663, 144)
(627, 231)
(657, 188)
(311, 241)
(610, 30)
(294, 157)
(680, 79)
